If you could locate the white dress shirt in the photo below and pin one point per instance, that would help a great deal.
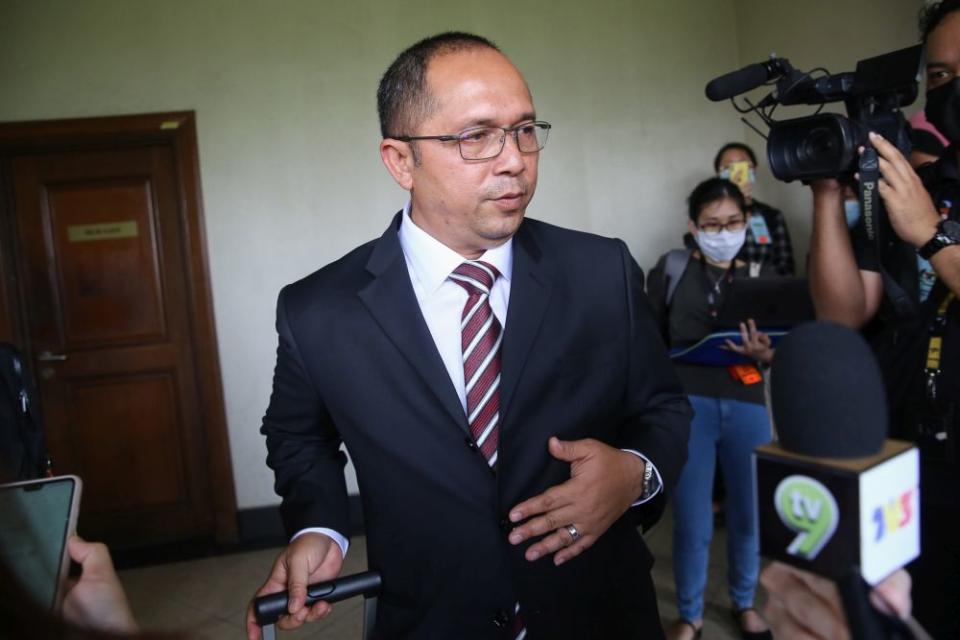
(441, 300)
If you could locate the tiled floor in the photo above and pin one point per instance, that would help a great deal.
(208, 597)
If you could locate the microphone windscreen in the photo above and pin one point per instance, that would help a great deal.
(827, 393)
(737, 82)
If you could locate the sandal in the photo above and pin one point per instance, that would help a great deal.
(749, 635)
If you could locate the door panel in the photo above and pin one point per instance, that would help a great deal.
(106, 283)
(107, 266)
(151, 462)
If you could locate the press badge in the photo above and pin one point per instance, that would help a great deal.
(758, 227)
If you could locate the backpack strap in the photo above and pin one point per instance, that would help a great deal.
(673, 268)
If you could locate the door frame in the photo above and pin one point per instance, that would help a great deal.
(177, 130)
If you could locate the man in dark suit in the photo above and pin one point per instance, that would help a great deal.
(498, 382)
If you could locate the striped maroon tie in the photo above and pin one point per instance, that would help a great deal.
(480, 344)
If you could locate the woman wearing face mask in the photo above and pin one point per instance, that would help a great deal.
(768, 238)
(729, 415)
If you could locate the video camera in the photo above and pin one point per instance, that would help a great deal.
(825, 145)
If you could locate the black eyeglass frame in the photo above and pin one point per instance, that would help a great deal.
(514, 131)
(739, 224)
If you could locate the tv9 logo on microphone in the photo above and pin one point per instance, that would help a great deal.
(829, 514)
(806, 507)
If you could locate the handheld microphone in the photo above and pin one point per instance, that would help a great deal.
(749, 77)
(835, 497)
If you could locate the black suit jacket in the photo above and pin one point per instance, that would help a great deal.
(581, 358)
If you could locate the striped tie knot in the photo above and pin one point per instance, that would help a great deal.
(475, 276)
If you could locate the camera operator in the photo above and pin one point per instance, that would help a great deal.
(919, 350)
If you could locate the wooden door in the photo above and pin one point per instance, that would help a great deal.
(105, 282)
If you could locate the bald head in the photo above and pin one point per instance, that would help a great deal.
(403, 97)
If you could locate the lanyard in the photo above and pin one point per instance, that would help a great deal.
(935, 347)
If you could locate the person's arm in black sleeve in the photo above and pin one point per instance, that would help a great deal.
(303, 449)
(656, 411)
(302, 442)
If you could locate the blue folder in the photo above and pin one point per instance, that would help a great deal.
(712, 349)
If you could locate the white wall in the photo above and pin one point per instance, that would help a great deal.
(284, 95)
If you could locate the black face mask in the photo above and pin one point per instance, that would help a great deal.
(943, 109)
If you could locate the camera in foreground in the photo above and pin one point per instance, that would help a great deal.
(824, 145)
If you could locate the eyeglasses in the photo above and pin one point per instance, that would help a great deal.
(483, 143)
(711, 228)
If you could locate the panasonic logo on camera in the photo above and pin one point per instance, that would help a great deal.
(868, 188)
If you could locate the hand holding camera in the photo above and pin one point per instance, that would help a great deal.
(909, 206)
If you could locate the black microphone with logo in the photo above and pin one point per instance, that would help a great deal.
(834, 496)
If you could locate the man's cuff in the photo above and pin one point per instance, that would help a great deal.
(656, 473)
(342, 542)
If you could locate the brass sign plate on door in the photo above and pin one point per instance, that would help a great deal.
(102, 231)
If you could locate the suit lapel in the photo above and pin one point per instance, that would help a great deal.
(529, 295)
(390, 299)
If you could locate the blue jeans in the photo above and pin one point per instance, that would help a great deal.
(728, 430)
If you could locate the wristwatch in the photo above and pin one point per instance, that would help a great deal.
(650, 482)
(948, 233)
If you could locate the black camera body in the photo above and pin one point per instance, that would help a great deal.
(825, 145)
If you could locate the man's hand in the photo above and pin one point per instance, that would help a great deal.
(803, 605)
(97, 600)
(909, 207)
(756, 344)
(603, 483)
(311, 558)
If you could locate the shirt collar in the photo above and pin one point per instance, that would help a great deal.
(432, 261)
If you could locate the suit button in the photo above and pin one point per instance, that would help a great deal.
(501, 619)
(471, 444)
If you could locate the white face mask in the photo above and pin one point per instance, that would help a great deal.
(723, 246)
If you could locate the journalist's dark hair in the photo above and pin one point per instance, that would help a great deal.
(933, 14)
(733, 145)
(711, 190)
(403, 99)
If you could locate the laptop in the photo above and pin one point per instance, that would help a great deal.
(772, 303)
